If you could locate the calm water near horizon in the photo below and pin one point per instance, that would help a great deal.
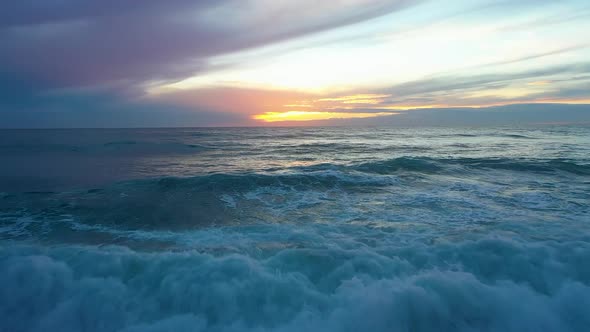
(290, 229)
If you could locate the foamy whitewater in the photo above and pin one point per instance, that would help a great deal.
(295, 229)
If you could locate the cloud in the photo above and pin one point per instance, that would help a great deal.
(25, 105)
(69, 63)
(580, 13)
(24, 13)
(449, 83)
(509, 115)
(84, 43)
(72, 58)
(564, 84)
(538, 55)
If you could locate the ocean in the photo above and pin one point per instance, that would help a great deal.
(295, 229)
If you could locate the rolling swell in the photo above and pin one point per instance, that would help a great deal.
(201, 201)
(376, 191)
(433, 165)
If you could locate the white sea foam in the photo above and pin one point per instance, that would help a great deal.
(490, 284)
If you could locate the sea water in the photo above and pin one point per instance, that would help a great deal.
(295, 229)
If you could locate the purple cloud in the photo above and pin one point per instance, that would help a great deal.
(72, 43)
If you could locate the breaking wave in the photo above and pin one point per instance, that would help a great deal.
(485, 285)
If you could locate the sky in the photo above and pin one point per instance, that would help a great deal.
(152, 63)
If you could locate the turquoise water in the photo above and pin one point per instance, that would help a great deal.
(290, 229)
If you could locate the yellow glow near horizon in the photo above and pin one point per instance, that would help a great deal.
(301, 116)
(310, 116)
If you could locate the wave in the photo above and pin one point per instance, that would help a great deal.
(464, 135)
(327, 176)
(147, 147)
(395, 189)
(201, 201)
(433, 165)
(421, 165)
(486, 285)
(112, 147)
(516, 136)
(430, 166)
